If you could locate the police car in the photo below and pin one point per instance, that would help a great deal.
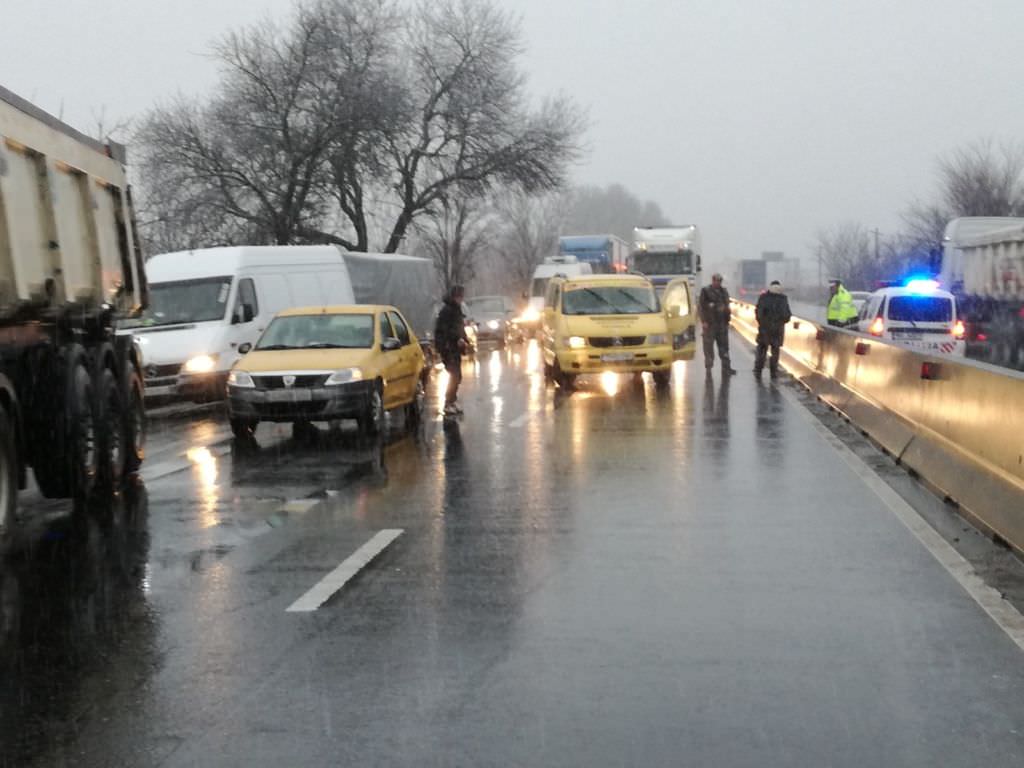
(918, 315)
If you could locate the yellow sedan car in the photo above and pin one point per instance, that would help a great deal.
(327, 364)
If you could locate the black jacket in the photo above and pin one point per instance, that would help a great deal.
(772, 315)
(450, 329)
(714, 306)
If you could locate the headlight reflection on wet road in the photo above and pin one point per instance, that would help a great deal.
(205, 468)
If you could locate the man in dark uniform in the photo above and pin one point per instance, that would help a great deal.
(451, 340)
(714, 320)
(772, 315)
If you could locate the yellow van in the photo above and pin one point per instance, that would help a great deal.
(326, 364)
(598, 323)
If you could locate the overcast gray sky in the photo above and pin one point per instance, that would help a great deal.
(759, 120)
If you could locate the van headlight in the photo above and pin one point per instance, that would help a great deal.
(493, 325)
(241, 379)
(657, 339)
(344, 376)
(577, 342)
(201, 364)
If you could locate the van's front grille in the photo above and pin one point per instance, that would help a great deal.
(604, 342)
(162, 371)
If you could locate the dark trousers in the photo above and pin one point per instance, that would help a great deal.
(763, 345)
(716, 334)
(452, 364)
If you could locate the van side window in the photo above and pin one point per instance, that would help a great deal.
(401, 329)
(385, 328)
(246, 295)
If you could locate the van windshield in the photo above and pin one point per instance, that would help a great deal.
(921, 309)
(319, 332)
(185, 301)
(609, 300)
(678, 263)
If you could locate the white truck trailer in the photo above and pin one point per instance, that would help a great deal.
(71, 391)
(983, 265)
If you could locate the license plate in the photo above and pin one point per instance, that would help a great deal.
(289, 396)
(908, 335)
(617, 357)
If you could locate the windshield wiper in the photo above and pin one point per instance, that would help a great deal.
(328, 345)
(276, 347)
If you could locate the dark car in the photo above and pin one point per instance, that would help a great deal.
(493, 317)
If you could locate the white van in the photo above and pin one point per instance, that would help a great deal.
(205, 303)
(920, 316)
(553, 266)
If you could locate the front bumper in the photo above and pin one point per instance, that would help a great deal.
(616, 359)
(205, 386)
(347, 401)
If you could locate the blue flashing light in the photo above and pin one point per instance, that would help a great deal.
(922, 285)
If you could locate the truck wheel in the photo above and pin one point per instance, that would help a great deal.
(244, 429)
(68, 468)
(372, 420)
(8, 475)
(134, 422)
(110, 432)
(83, 445)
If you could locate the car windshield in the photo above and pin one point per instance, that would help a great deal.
(319, 332)
(609, 300)
(185, 301)
(495, 306)
(921, 309)
(678, 263)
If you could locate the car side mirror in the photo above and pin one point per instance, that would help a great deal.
(674, 313)
(390, 344)
(244, 348)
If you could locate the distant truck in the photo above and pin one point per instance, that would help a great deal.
(983, 265)
(71, 390)
(605, 254)
(665, 253)
(751, 278)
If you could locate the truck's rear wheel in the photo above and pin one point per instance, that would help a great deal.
(65, 465)
(110, 431)
(134, 421)
(8, 475)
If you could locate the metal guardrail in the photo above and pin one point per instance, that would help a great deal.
(959, 424)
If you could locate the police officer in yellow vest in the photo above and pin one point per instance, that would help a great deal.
(841, 309)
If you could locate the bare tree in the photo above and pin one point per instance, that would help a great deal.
(611, 210)
(467, 122)
(979, 179)
(529, 231)
(454, 236)
(846, 252)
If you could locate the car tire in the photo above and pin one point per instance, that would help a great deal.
(8, 476)
(372, 420)
(414, 410)
(244, 429)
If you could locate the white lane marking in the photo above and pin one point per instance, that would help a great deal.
(321, 592)
(1001, 611)
(519, 422)
(162, 469)
(299, 506)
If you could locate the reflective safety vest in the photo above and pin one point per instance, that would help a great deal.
(841, 308)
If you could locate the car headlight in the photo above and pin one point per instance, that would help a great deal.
(344, 376)
(577, 342)
(201, 364)
(493, 325)
(657, 339)
(240, 379)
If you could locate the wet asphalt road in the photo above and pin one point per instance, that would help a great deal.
(621, 578)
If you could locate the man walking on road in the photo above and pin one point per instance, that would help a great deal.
(772, 315)
(714, 320)
(451, 340)
(841, 309)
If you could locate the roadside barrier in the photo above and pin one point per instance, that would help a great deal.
(957, 423)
